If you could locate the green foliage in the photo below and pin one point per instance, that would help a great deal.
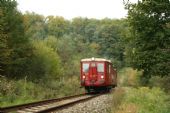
(4, 38)
(141, 99)
(129, 77)
(149, 22)
(5, 52)
(107, 34)
(117, 99)
(78, 25)
(44, 53)
(71, 52)
(15, 47)
(35, 26)
(57, 26)
(46, 63)
(148, 100)
(24, 91)
(162, 82)
(109, 37)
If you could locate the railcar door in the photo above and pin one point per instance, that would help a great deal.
(93, 72)
(100, 71)
(85, 72)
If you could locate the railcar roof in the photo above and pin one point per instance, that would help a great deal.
(95, 59)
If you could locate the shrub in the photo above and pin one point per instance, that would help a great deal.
(118, 96)
(145, 100)
(21, 91)
(162, 82)
(129, 77)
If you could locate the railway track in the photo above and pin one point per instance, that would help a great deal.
(48, 105)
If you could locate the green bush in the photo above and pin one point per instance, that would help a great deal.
(14, 92)
(46, 62)
(162, 82)
(129, 77)
(118, 96)
(148, 100)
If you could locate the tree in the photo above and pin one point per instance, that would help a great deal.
(35, 26)
(78, 25)
(46, 59)
(149, 21)
(15, 47)
(4, 49)
(90, 28)
(57, 26)
(109, 36)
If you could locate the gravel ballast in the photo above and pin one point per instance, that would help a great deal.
(99, 104)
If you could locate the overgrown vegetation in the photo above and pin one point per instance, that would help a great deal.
(131, 97)
(129, 77)
(41, 55)
(118, 96)
(40, 51)
(148, 52)
(144, 100)
(149, 22)
(14, 92)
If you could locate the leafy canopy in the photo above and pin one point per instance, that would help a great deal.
(150, 28)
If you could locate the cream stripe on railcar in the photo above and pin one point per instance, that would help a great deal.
(95, 59)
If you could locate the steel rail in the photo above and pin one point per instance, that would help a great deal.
(63, 106)
(34, 104)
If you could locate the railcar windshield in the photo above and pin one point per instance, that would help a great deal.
(93, 64)
(85, 67)
(100, 67)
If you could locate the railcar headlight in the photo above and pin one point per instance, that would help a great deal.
(102, 76)
(84, 77)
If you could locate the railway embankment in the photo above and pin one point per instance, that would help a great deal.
(140, 100)
(16, 92)
(128, 97)
(132, 97)
(99, 104)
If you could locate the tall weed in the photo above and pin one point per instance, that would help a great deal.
(118, 96)
(145, 100)
(14, 92)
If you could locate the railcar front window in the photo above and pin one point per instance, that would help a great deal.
(93, 65)
(85, 67)
(100, 67)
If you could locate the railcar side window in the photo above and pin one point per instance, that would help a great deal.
(100, 67)
(85, 67)
(109, 68)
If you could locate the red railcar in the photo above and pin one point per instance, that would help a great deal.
(97, 74)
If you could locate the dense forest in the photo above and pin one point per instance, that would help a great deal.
(44, 51)
(36, 46)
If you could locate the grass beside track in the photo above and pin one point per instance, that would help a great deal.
(14, 92)
(131, 97)
(140, 100)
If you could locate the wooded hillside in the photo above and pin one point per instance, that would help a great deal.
(45, 51)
